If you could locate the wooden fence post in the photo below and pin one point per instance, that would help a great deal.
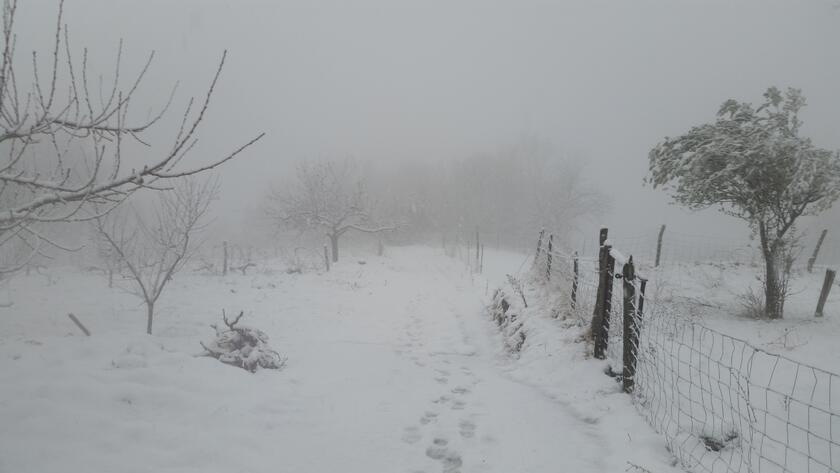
(826, 288)
(597, 313)
(481, 263)
(575, 276)
(641, 307)
(477, 250)
(548, 257)
(813, 258)
(539, 245)
(659, 245)
(603, 328)
(631, 336)
(224, 258)
(327, 257)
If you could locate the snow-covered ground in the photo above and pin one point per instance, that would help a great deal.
(393, 365)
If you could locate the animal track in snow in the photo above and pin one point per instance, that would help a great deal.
(428, 417)
(411, 435)
(450, 459)
(460, 390)
(466, 428)
(441, 400)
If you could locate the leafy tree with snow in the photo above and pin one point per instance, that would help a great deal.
(753, 164)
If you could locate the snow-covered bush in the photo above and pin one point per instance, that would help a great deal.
(242, 346)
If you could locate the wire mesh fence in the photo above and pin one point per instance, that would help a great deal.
(675, 247)
(722, 404)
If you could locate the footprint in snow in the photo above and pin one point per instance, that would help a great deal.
(466, 428)
(460, 390)
(442, 380)
(428, 417)
(450, 459)
(411, 435)
(459, 405)
(441, 400)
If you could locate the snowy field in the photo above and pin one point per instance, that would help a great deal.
(393, 365)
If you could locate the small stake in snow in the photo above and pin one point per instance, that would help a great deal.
(79, 324)
(659, 245)
(327, 257)
(827, 282)
(224, 258)
(576, 270)
(548, 257)
(813, 258)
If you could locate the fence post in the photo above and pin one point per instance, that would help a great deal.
(603, 329)
(477, 249)
(539, 245)
(327, 257)
(826, 288)
(597, 313)
(631, 337)
(548, 257)
(813, 258)
(659, 245)
(224, 258)
(575, 281)
(640, 309)
(481, 263)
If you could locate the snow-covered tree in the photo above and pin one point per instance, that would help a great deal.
(153, 251)
(64, 131)
(329, 196)
(752, 163)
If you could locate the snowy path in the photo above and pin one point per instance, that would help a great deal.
(392, 367)
(420, 389)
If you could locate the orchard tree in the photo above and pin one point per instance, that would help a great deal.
(329, 196)
(152, 251)
(66, 133)
(753, 164)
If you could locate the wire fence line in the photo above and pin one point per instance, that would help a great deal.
(722, 404)
(679, 247)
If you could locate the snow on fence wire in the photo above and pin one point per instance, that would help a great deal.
(723, 405)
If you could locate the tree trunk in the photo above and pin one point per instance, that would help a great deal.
(773, 297)
(334, 244)
(150, 313)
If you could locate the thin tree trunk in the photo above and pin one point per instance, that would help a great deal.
(150, 313)
(334, 244)
(772, 285)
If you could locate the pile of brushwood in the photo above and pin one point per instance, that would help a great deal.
(243, 347)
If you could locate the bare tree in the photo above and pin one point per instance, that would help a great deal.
(153, 252)
(329, 196)
(62, 136)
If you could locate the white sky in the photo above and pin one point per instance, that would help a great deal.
(386, 80)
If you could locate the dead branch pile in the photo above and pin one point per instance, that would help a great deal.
(242, 346)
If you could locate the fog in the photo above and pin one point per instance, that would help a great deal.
(436, 81)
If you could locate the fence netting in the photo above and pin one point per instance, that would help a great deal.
(723, 405)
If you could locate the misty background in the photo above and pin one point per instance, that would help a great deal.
(394, 84)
